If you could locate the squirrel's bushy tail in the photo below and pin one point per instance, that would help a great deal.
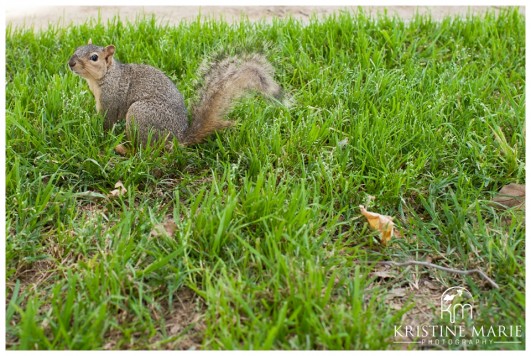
(224, 82)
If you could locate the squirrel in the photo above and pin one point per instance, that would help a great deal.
(150, 101)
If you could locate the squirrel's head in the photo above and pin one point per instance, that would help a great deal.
(91, 62)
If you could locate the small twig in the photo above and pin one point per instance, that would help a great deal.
(446, 269)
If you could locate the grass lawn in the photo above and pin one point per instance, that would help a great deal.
(254, 239)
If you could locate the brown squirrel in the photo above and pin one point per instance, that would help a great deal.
(145, 96)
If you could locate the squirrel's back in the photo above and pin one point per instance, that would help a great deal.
(149, 100)
(165, 110)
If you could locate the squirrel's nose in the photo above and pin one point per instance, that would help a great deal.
(72, 62)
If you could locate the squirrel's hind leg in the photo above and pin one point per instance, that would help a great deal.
(144, 123)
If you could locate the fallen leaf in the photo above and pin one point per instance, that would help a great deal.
(168, 228)
(89, 195)
(381, 223)
(511, 195)
(119, 191)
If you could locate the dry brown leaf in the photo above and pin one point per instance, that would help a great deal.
(119, 191)
(168, 228)
(511, 195)
(381, 223)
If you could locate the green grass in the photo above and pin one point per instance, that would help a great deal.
(269, 248)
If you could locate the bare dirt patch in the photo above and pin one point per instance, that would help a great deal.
(407, 288)
(184, 322)
(183, 329)
(40, 17)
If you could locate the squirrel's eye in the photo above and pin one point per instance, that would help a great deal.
(94, 57)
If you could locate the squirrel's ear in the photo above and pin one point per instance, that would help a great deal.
(109, 51)
(90, 41)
